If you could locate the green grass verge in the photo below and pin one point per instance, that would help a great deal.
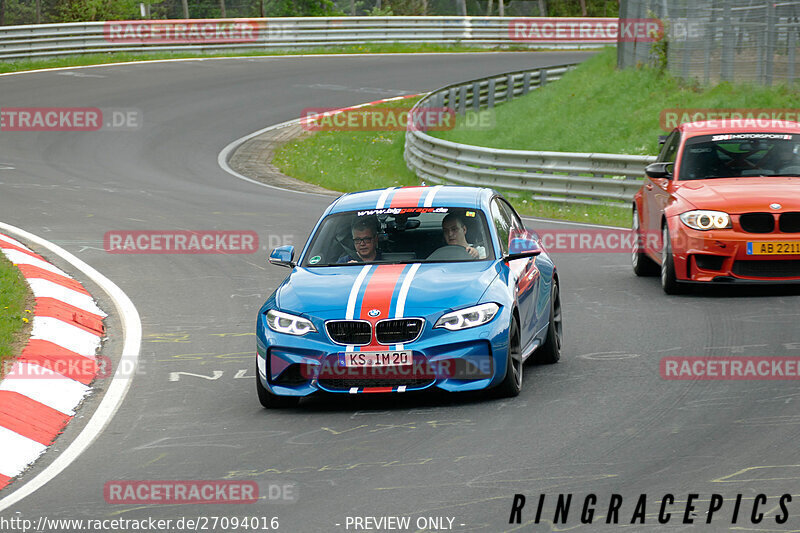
(358, 160)
(123, 57)
(349, 161)
(14, 316)
(596, 108)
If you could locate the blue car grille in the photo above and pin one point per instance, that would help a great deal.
(359, 332)
(398, 331)
(354, 332)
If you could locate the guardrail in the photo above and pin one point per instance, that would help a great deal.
(216, 35)
(569, 177)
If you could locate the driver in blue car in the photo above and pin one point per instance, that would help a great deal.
(365, 240)
(454, 230)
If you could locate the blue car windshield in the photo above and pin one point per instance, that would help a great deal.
(401, 235)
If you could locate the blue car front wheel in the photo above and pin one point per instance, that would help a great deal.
(550, 352)
(512, 383)
(272, 401)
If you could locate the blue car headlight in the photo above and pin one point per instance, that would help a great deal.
(289, 324)
(468, 318)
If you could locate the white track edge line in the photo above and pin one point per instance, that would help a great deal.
(112, 400)
(285, 56)
(225, 153)
(222, 158)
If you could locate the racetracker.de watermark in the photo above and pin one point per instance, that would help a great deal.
(180, 242)
(671, 118)
(360, 365)
(57, 366)
(730, 368)
(69, 119)
(181, 31)
(370, 118)
(587, 30)
(193, 492)
(595, 240)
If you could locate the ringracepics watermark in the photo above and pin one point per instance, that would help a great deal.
(589, 30)
(670, 119)
(180, 242)
(730, 368)
(69, 119)
(181, 31)
(673, 509)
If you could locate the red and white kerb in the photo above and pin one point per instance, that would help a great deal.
(36, 402)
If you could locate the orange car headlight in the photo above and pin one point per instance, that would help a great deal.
(706, 220)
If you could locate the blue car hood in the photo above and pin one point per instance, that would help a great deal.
(324, 291)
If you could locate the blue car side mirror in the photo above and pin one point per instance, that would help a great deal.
(522, 244)
(282, 256)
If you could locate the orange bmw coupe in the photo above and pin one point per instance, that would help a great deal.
(721, 204)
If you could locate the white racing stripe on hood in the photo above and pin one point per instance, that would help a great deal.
(401, 296)
(431, 194)
(382, 198)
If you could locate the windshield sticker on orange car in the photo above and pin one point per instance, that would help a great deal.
(735, 136)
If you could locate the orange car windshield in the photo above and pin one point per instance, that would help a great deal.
(739, 155)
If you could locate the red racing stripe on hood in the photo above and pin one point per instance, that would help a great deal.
(378, 295)
(407, 197)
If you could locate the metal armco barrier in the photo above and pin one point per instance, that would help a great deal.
(218, 35)
(582, 178)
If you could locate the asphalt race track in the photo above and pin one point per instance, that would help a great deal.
(601, 421)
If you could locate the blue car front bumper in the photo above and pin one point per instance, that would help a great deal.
(457, 361)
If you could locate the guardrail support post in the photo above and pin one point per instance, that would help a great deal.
(770, 38)
(792, 53)
(462, 99)
(476, 96)
(728, 43)
(542, 77)
(526, 83)
(490, 94)
(509, 87)
(451, 98)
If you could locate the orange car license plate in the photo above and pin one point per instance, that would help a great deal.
(773, 248)
(373, 359)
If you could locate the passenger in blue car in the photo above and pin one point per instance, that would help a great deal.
(365, 239)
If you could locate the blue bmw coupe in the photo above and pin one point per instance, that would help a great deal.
(404, 289)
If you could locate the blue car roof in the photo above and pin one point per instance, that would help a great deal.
(433, 196)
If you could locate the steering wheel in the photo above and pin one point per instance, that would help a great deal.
(449, 252)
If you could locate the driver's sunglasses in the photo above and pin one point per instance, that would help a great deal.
(363, 240)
